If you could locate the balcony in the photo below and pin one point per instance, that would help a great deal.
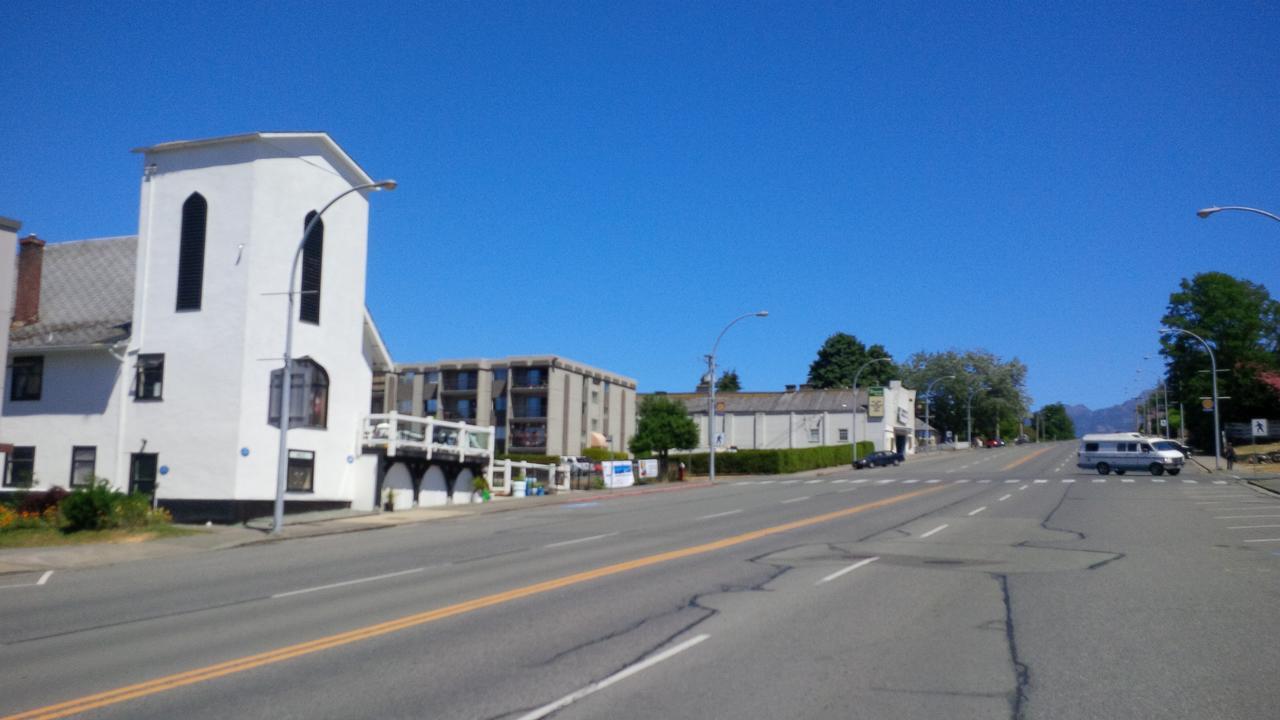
(409, 435)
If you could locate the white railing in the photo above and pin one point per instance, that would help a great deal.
(502, 472)
(429, 436)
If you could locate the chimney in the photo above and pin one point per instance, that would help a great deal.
(789, 388)
(26, 305)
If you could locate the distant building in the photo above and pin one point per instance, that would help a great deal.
(539, 404)
(804, 417)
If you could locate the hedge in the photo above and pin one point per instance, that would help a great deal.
(774, 462)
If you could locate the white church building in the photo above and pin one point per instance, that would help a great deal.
(153, 361)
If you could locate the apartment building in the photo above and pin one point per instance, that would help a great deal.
(538, 404)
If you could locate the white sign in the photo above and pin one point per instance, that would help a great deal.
(617, 473)
(1259, 426)
(1164, 422)
(648, 468)
(719, 439)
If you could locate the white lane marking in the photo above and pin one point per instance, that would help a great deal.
(623, 674)
(932, 482)
(975, 512)
(984, 481)
(575, 541)
(1259, 506)
(45, 577)
(1010, 482)
(910, 482)
(358, 581)
(1219, 482)
(1126, 480)
(851, 568)
(886, 481)
(1157, 480)
(840, 481)
(845, 490)
(726, 513)
(1251, 527)
(788, 482)
(1005, 497)
(810, 482)
(1023, 487)
(1243, 517)
(963, 481)
(1099, 480)
(1068, 480)
(1039, 481)
(1191, 482)
(1264, 540)
(768, 482)
(938, 529)
(859, 481)
(796, 499)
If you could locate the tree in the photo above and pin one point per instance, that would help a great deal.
(1241, 322)
(663, 424)
(729, 382)
(998, 386)
(1055, 424)
(839, 359)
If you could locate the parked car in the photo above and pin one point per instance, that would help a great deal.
(995, 443)
(879, 458)
(578, 463)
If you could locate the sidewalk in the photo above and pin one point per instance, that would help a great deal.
(302, 525)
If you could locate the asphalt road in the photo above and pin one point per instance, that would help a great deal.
(985, 584)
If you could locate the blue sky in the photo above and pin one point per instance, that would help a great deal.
(615, 182)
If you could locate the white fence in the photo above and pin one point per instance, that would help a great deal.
(430, 436)
(503, 472)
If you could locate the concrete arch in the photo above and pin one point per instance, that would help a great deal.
(399, 481)
(435, 487)
(462, 487)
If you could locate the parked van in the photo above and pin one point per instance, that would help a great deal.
(1122, 452)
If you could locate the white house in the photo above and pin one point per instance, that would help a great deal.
(153, 361)
(799, 418)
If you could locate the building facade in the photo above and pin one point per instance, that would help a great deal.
(538, 404)
(153, 361)
(801, 417)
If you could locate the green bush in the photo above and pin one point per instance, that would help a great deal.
(772, 462)
(865, 448)
(89, 508)
(602, 454)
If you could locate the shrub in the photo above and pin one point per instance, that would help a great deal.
(131, 511)
(602, 454)
(89, 508)
(39, 501)
(770, 462)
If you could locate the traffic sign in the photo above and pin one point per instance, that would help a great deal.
(1259, 426)
(1207, 404)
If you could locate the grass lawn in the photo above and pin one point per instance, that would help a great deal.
(39, 537)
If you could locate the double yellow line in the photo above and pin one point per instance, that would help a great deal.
(249, 662)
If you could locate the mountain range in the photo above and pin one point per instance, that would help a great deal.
(1117, 418)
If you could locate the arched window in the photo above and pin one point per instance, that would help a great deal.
(312, 261)
(308, 395)
(195, 212)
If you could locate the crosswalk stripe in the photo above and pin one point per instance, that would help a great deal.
(1126, 480)
(886, 481)
(1068, 480)
(1039, 481)
(932, 482)
(841, 480)
(1157, 480)
(1219, 482)
(1009, 482)
(1190, 482)
(1099, 480)
(859, 481)
(962, 481)
(810, 482)
(910, 482)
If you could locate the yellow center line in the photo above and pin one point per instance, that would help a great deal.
(1019, 461)
(249, 662)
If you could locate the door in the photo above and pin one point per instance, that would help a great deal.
(142, 473)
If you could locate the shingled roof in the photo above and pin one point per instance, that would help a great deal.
(799, 401)
(86, 295)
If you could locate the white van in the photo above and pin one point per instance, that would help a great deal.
(1122, 452)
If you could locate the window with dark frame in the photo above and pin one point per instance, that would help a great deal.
(84, 460)
(308, 395)
(312, 265)
(844, 434)
(148, 382)
(20, 467)
(195, 212)
(27, 378)
(302, 470)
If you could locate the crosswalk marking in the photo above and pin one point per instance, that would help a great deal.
(1126, 480)
(1039, 481)
(932, 482)
(841, 480)
(1068, 480)
(910, 482)
(962, 481)
(1099, 480)
(1157, 480)
(886, 481)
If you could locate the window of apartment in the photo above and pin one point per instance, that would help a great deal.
(83, 461)
(813, 435)
(26, 378)
(20, 468)
(308, 395)
(844, 434)
(302, 471)
(195, 212)
(148, 380)
(312, 264)
(432, 406)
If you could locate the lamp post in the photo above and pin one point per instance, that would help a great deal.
(968, 414)
(928, 397)
(1206, 212)
(1213, 367)
(286, 380)
(853, 428)
(711, 394)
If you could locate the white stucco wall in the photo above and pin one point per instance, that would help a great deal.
(79, 405)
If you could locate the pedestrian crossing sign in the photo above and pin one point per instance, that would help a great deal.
(1259, 426)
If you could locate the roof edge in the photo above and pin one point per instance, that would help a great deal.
(323, 137)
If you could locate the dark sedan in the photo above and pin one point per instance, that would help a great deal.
(880, 458)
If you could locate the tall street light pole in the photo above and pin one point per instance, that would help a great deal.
(711, 394)
(928, 396)
(1213, 372)
(1206, 212)
(286, 380)
(968, 413)
(853, 429)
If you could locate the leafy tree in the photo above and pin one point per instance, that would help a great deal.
(839, 359)
(729, 382)
(1055, 424)
(1241, 321)
(663, 424)
(998, 387)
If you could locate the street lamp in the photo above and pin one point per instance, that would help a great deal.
(1213, 372)
(1206, 212)
(282, 462)
(853, 429)
(711, 394)
(928, 396)
(968, 413)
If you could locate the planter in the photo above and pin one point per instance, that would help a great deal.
(517, 488)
